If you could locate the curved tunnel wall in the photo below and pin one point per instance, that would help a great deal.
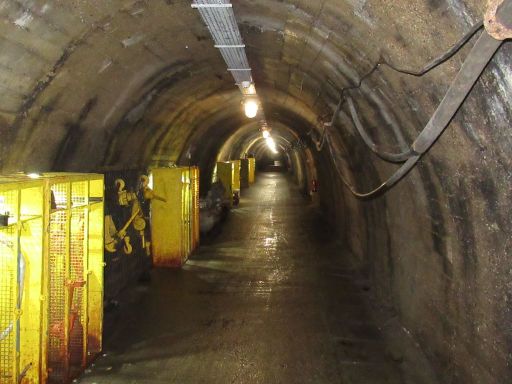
(90, 85)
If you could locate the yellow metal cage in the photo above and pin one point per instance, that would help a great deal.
(175, 221)
(51, 276)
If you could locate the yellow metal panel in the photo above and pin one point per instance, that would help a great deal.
(21, 280)
(252, 170)
(244, 173)
(225, 173)
(167, 218)
(186, 199)
(95, 280)
(8, 304)
(32, 312)
(195, 207)
(58, 297)
(236, 175)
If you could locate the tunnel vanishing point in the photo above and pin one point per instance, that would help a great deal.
(397, 112)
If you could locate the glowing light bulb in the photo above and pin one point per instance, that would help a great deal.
(266, 134)
(251, 108)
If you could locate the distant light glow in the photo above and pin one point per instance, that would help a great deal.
(271, 144)
(34, 175)
(266, 134)
(251, 108)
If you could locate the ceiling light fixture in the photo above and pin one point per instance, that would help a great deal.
(251, 108)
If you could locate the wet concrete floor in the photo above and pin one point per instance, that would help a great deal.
(269, 300)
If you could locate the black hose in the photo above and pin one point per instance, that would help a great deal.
(480, 55)
(387, 156)
(441, 59)
(427, 68)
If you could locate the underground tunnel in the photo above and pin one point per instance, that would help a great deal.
(347, 162)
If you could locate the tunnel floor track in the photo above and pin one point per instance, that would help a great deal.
(269, 300)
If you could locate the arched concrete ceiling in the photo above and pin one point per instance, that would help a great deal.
(92, 85)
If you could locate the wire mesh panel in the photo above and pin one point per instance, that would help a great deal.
(8, 304)
(60, 196)
(58, 298)
(31, 286)
(77, 292)
(9, 207)
(79, 193)
(21, 235)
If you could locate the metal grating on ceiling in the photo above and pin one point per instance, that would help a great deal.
(220, 19)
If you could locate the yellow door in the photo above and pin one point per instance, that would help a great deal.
(236, 175)
(225, 172)
(8, 304)
(168, 217)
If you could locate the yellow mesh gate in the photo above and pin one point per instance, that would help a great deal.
(8, 304)
(21, 283)
(58, 272)
(73, 317)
